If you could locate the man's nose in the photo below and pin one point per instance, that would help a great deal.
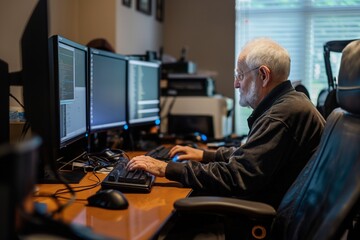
(236, 84)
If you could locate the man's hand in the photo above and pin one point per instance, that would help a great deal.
(149, 164)
(186, 153)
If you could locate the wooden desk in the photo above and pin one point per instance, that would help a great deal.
(146, 212)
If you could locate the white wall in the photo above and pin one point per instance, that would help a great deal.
(136, 32)
(13, 16)
(63, 16)
(207, 28)
(96, 19)
(127, 30)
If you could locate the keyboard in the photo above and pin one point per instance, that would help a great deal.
(128, 181)
(161, 152)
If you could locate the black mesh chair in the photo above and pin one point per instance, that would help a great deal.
(326, 101)
(323, 201)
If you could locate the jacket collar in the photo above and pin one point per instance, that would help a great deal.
(269, 100)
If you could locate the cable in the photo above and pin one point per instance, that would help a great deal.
(26, 126)
(61, 206)
(17, 100)
(162, 106)
(171, 105)
(74, 159)
(25, 129)
(90, 158)
(79, 188)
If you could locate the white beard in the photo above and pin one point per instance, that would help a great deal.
(249, 99)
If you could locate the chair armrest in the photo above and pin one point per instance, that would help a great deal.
(224, 205)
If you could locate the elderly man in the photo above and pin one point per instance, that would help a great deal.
(285, 130)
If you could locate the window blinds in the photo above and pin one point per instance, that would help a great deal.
(302, 27)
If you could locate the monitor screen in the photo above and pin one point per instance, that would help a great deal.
(107, 90)
(70, 74)
(143, 93)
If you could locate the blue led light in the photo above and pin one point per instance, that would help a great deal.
(157, 121)
(203, 137)
(126, 127)
(175, 158)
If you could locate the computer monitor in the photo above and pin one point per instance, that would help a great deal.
(38, 87)
(55, 104)
(143, 100)
(107, 90)
(69, 70)
(143, 93)
(70, 77)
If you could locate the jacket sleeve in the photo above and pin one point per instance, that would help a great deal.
(222, 154)
(241, 170)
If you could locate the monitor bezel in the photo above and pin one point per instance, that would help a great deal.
(54, 46)
(149, 123)
(119, 125)
(38, 85)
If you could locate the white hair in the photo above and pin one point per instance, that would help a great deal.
(264, 51)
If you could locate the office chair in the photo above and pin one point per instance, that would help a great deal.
(303, 89)
(322, 203)
(326, 101)
(299, 87)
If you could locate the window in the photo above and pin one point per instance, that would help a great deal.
(302, 27)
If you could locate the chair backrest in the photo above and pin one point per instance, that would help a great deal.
(327, 97)
(325, 196)
(100, 43)
(303, 89)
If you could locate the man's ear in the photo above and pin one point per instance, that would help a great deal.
(265, 75)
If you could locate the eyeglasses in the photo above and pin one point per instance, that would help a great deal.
(239, 76)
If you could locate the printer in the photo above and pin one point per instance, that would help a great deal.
(187, 85)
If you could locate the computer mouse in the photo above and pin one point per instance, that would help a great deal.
(175, 158)
(108, 199)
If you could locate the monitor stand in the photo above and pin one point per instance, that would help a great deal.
(63, 166)
(98, 142)
(138, 140)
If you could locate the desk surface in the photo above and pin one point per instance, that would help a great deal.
(146, 212)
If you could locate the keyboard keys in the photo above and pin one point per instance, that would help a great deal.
(161, 152)
(128, 181)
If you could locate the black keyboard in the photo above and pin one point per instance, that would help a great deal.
(128, 181)
(161, 152)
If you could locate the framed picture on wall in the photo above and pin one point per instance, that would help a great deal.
(144, 6)
(159, 10)
(126, 3)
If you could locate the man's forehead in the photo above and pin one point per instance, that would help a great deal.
(241, 62)
(241, 57)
